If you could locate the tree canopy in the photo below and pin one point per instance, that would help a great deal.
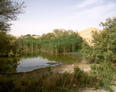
(58, 42)
(104, 48)
(9, 10)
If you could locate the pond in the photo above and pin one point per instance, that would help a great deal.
(30, 64)
(34, 62)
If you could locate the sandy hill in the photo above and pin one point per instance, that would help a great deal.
(87, 34)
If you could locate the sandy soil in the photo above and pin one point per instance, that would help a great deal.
(70, 67)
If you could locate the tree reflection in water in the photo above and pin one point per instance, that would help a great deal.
(8, 65)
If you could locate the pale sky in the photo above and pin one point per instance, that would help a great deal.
(43, 16)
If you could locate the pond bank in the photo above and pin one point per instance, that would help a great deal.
(69, 68)
(58, 70)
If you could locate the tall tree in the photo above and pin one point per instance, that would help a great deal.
(9, 9)
(104, 48)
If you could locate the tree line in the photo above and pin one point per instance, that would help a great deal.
(60, 41)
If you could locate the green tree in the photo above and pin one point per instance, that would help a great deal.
(105, 42)
(104, 48)
(7, 44)
(9, 10)
(58, 42)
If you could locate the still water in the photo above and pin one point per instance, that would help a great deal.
(31, 63)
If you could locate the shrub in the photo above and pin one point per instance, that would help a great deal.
(104, 73)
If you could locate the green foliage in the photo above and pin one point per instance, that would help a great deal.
(104, 48)
(103, 51)
(84, 79)
(9, 10)
(86, 51)
(28, 45)
(8, 65)
(60, 41)
(8, 45)
(104, 73)
(45, 82)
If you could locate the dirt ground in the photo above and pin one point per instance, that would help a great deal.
(70, 67)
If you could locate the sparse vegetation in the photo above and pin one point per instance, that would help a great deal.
(48, 82)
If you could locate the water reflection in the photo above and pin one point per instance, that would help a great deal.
(67, 59)
(33, 62)
(30, 64)
(8, 65)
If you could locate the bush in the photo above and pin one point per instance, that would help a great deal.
(82, 79)
(104, 73)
